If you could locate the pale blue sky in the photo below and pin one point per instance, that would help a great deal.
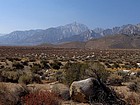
(42, 14)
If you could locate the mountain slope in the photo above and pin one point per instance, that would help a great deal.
(69, 33)
(128, 29)
(114, 42)
(17, 37)
(78, 45)
(107, 42)
(50, 35)
(82, 37)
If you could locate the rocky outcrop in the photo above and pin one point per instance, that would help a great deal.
(82, 90)
(94, 91)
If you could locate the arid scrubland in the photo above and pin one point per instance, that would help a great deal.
(43, 76)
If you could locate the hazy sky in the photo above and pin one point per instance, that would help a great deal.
(42, 14)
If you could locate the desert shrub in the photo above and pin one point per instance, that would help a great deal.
(1, 78)
(26, 79)
(1, 67)
(98, 71)
(45, 64)
(10, 59)
(35, 68)
(25, 63)
(128, 66)
(138, 74)
(36, 78)
(7, 97)
(107, 65)
(44, 61)
(3, 98)
(121, 73)
(134, 64)
(115, 79)
(74, 72)
(41, 98)
(78, 71)
(56, 65)
(17, 58)
(10, 93)
(135, 86)
(8, 75)
(59, 76)
(32, 59)
(115, 65)
(125, 75)
(133, 99)
(18, 65)
(7, 69)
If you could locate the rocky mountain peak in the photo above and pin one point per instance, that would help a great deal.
(98, 30)
(70, 32)
(73, 28)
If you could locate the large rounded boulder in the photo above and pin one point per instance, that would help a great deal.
(94, 91)
(82, 90)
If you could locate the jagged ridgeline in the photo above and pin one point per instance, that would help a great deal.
(74, 32)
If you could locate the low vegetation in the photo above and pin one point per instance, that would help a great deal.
(41, 98)
(39, 65)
